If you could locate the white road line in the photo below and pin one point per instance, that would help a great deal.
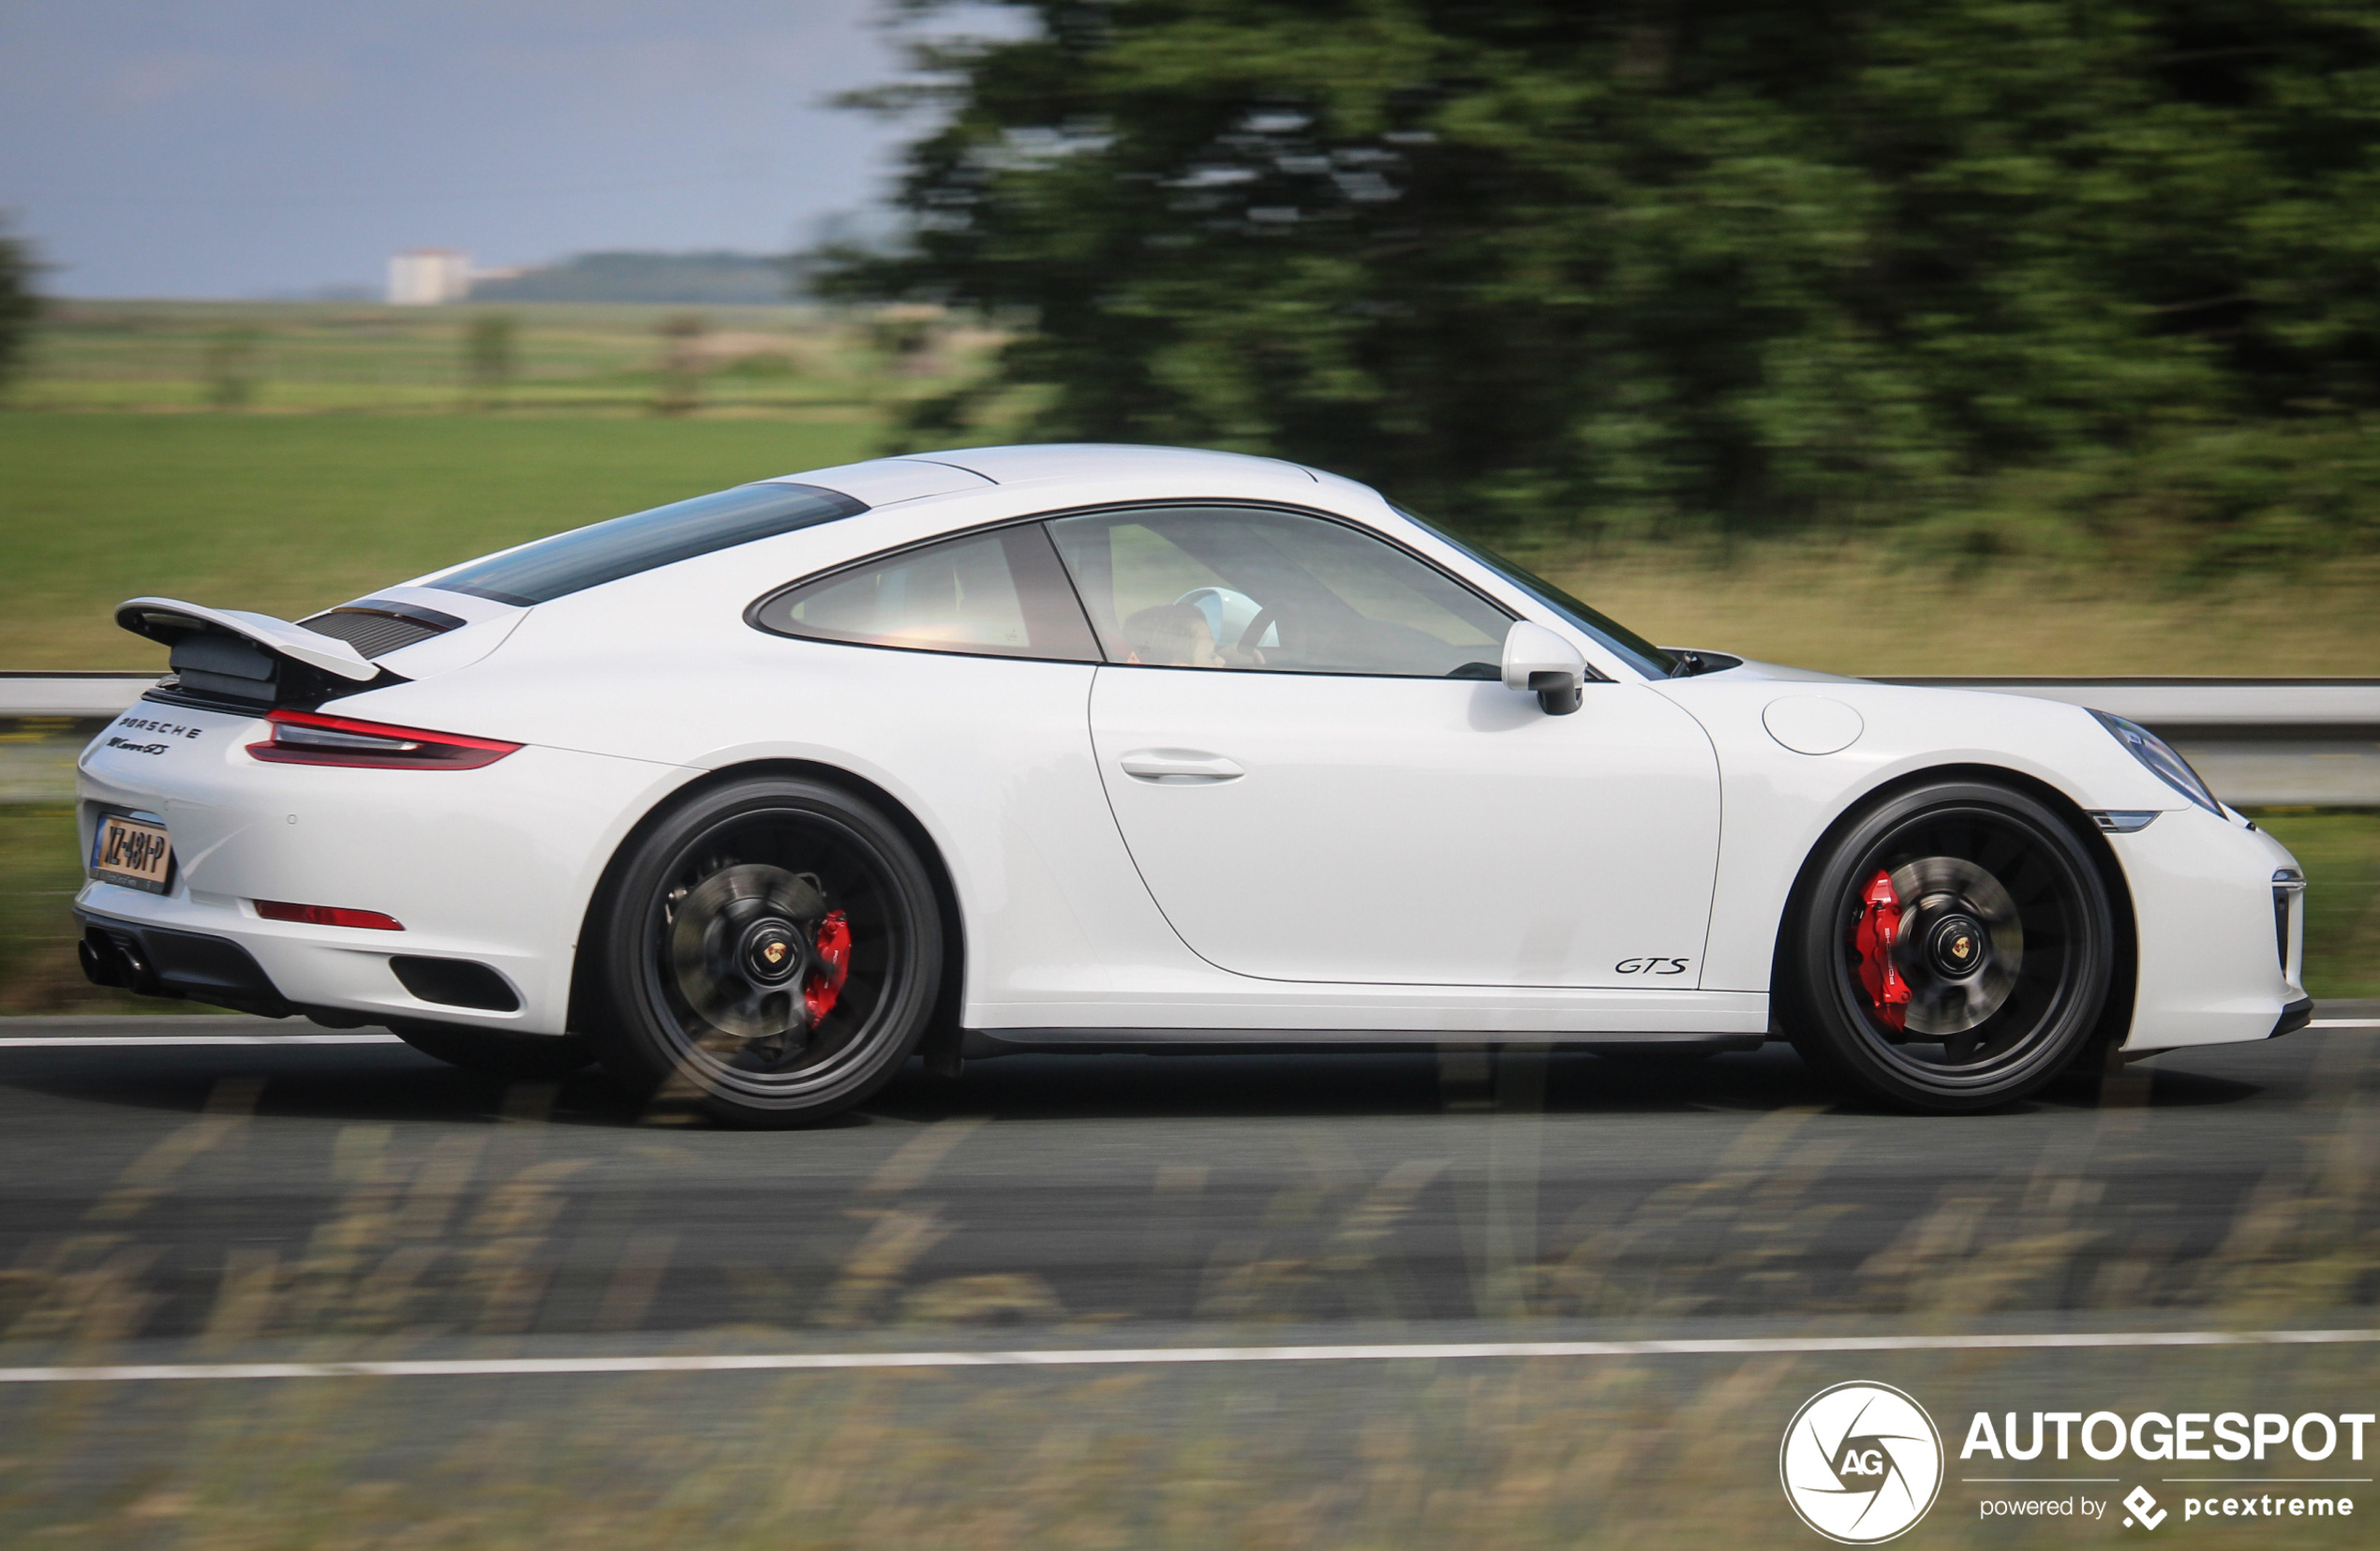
(65, 1042)
(68, 1041)
(1131, 1357)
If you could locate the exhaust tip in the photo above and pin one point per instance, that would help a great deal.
(118, 963)
(100, 965)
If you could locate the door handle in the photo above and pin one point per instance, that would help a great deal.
(1179, 766)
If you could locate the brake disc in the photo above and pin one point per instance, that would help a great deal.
(1945, 900)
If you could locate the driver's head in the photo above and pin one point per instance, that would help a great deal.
(1170, 636)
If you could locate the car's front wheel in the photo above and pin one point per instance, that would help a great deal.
(772, 948)
(1951, 951)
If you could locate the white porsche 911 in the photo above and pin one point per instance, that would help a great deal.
(1096, 748)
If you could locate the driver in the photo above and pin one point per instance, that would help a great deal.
(1170, 636)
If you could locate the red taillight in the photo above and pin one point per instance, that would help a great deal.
(327, 914)
(309, 738)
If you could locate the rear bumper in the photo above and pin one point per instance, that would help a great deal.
(153, 960)
(490, 868)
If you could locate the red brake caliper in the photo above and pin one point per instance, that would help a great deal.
(819, 992)
(1878, 929)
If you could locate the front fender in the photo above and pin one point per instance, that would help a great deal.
(1777, 804)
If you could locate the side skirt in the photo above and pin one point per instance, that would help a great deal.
(982, 1044)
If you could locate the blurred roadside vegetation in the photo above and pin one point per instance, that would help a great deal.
(2079, 283)
(547, 358)
(20, 304)
(1542, 1455)
(283, 456)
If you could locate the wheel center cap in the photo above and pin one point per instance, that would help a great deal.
(1957, 945)
(771, 953)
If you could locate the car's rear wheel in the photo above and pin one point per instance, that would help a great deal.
(497, 1052)
(772, 948)
(1950, 952)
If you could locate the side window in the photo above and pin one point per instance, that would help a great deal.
(997, 595)
(1225, 586)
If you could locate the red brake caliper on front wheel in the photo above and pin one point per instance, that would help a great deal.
(1878, 929)
(819, 992)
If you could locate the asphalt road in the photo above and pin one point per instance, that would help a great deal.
(327, 1201)
(248, 1193)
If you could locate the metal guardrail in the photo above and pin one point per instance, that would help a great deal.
(2210, 707)
(79, 695)
(2259, 742)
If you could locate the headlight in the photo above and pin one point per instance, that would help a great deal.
(2161, 759)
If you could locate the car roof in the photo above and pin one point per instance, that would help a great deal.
(880, 480)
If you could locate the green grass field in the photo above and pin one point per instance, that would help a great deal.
(286, 514)
(289, 513)
(281, 358)
(356, 451)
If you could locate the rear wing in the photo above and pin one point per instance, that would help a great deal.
(230, 657)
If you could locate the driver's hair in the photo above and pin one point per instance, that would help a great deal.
(1166, 634)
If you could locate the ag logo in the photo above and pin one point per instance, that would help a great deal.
(1861, 1463)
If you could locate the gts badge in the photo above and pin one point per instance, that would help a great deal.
(1650, 966)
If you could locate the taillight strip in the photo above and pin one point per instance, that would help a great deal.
(327, 914)
(310, 737)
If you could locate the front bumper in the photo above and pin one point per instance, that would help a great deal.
(2213, 969)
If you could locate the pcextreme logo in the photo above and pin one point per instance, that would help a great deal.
(1861, 1463)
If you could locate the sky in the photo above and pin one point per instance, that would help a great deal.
(255, 148)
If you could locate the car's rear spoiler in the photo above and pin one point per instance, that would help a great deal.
(173, 621)
(229, 659)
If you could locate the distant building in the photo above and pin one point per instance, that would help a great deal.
(425, 277)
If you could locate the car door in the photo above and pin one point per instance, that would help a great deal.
(1305, 738)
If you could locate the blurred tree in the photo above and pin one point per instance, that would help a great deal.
(488, 357)
(677, 376)
(904, 337)
(1736, 261)
(19, 304)
(230, 368)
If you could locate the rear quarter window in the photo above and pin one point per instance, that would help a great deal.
(606, 551)
(1000, 594)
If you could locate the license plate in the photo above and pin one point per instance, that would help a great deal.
(132, 852)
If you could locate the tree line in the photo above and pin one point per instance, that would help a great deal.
(2005, 273)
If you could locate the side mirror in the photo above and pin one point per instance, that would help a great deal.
(1541, 663)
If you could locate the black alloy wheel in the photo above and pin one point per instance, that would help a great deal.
(1951, 952)
(772, 947)
(497, 1052)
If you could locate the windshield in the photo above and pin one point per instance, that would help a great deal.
(1638, 652)
(606, 551)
